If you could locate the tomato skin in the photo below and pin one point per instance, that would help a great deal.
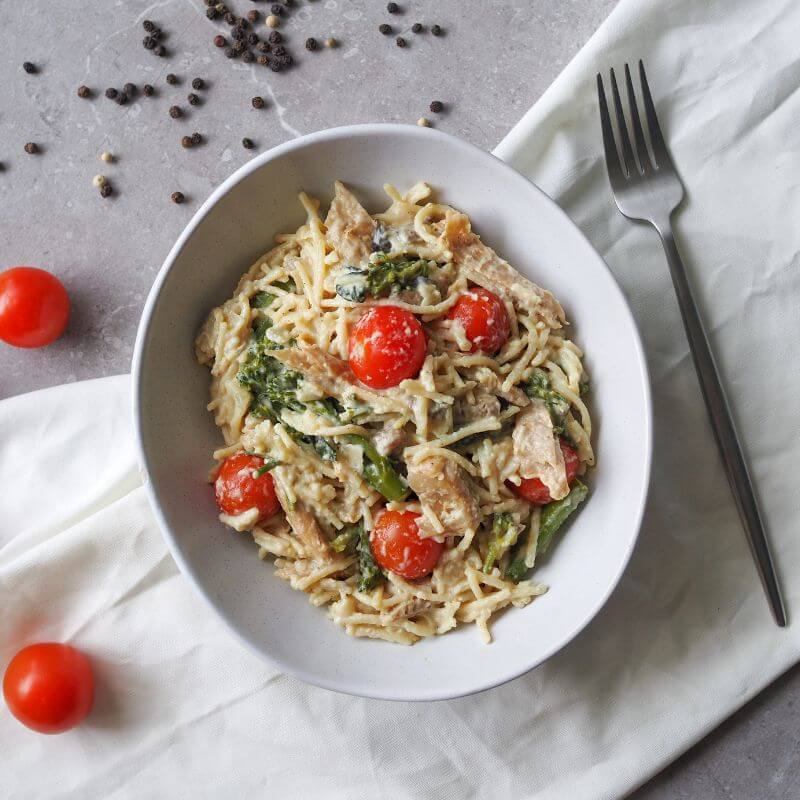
(485, 319)
(387, 345)
(237, 490)
(535, 492)
(49, 687)
(34, 307)
(398, 547)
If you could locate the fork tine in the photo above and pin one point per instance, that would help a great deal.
(628, 158)
(638, 132)
(615, 172)
(660, 151)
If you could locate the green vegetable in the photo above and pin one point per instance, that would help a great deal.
(264, 299)
(369, 573)
(516, 570)
(384, 275)
(538, 386)
(585, 388)
(260, 327)
(555, 514)
(269, 463)
(378, 471)
(273, 386)
(504, 535)
(347, 537)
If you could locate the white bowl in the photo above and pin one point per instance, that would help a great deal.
(176, 434)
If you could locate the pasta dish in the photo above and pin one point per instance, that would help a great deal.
(403, 417)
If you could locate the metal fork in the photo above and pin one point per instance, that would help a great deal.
(646, 187)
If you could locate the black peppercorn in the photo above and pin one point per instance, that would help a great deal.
(248, 144)
(122, 99)
(400, 41)
(106, 190)
(279, 50)
(230, 52)
(177, 197)
(436, 30)
(212, 13)
(276, 9)
(219, 41)
(392, 8)
(276, 65)
(239, 47)
(252, 15)
(171, 78)
(437, 107)
(385, 29)
(130, 89)
(243, 23)
(248, 57)
(175, 112)
(252, 39)
(186, 141)
(263, 60)
(193, 99)
(311, 43)
(263, 47)
(198, 83)
(149, 26)
(29, 67)
(149, 42)
(156, 35)
(230, 18)
(258, 102)
(275, 37)
(148, 90)
(84, 91)
(196, 138)
(237, 34)
(160, 51)
(32, 147)
(111, 93)
(416, 27)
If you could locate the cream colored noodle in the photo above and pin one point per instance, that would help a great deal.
(437, 415)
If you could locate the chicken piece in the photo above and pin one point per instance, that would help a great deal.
(350, 228)
(408, 609)
(304, 524)
(493, 384)
(388, 439)
(485, 405)
(484, 267)
(438, 484)
(537, 449)
(335, 378)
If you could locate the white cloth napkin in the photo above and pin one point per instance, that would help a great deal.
(183, 711)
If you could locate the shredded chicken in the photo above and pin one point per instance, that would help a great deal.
(388, 439)
(350, 228)
(483, 266)
(303, 522)
(408, 609)
(485, 405)
(538, 451)
(440, 487)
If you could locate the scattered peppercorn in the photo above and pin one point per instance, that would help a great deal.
(84, 91)
(311, 43)
(237, 34)
(111, 93)
(160, 51)
(175, 112)
(177, 197)
(331, 42)
(230, 18)
(186, 141)
(106, 190)
(29, 67)
(99, 180)
(400, 41)
(149, 26)
(252, 38)
(32, 147)
(196, 138)
(273, 21)
(392, 8)
(156, 34)
(212, 13)
(230, 52)
(248, 57)
(252, 15)
(219, 41)
(198, 83)
(122, 99)
(424, 122)
(193, 99)
(149, 42)
(171, 78)
(148, 90)
(263, 60)
(248, 144)
(437, 106)
(385, 29)
(258, 102)
(275, 37)
(106, 157)
(416, 27)
(279, 50)
(436, 30)
(130, 89)
(277, 9)
(243, 23)
(239, 48)
(263, 47)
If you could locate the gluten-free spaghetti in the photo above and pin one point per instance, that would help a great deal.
(403, 416)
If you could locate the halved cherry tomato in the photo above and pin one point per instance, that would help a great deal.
(534, 491)
(240, 487)
(398, 547)
(49, 687)
(34, 307)
(484, 318)
(387, 345)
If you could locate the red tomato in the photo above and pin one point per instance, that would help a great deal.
(34, 307)
(49, 687)
(484, 318)
(238, 488)
(534, 491)
(398, 547)
(387, 345)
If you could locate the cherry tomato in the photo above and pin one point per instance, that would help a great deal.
(484, 318)
(387, 345)
(238, 487)
(34, 307)
(534, 491)
(398, 547)
(49, 687)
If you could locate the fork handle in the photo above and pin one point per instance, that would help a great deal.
(722, 423)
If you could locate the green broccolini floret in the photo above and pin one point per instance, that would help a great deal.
(349, 536)
(555, 514)
(369, 573)
(504, 535)
(538, 386)
(378, 471)
(264, 299)
(384, 275)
